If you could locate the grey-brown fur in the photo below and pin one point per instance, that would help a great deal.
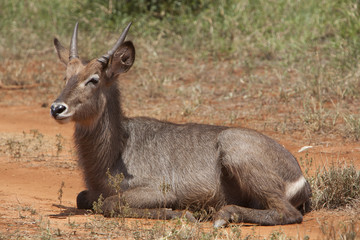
(239, 172)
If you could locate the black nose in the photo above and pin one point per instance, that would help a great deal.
(57, 109)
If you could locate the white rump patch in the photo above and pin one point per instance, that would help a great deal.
(293, 188)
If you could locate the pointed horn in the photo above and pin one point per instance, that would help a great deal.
(105, 58)
(73, 53)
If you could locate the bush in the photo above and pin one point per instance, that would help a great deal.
(336, 187)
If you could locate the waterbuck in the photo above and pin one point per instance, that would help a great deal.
(243, 175)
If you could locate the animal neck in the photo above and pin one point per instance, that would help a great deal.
(100, 144)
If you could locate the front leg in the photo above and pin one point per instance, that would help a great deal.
(140, 197)
(144, 202)
(114, 206)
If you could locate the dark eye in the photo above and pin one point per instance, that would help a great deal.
(93, 79)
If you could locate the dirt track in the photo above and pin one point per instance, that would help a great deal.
(29, 198)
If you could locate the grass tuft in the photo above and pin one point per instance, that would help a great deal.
(344, 230)
(336, 187)
(352, 127)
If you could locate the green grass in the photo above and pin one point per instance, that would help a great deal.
(285, 31)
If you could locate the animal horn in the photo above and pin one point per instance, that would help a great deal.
(73, 53)
(105, 58)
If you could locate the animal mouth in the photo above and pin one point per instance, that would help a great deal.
(63, 118)
(60, 112)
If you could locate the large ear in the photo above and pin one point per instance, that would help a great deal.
(62, 52)
(122, 59)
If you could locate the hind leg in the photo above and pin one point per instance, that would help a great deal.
(305, 207)
(272, 216)
(259, 200)
(255, 173)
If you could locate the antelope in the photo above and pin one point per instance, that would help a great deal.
(241, 174)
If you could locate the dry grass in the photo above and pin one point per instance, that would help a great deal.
(36, 150)
(336, 187)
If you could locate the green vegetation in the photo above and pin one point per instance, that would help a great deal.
(287, 32)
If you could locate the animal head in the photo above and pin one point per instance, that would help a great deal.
(83, 98)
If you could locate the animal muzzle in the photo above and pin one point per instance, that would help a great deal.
(60, 111)
(57, 109)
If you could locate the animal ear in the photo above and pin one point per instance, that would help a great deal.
(62, 52)
(122, 60)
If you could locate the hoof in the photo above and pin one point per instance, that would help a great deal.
(189, 216)
(219, 223)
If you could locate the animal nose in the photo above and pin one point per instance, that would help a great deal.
(57, 109)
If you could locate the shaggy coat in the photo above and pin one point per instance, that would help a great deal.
(242, 174)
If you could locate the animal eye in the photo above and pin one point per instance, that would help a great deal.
(93, 79)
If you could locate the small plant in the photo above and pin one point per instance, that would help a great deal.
(335, 187)
(59, 143)
(306, 164)
(14, 148)
(25, 210)
(165, 188)
(344, 230)
(236, 232)
(352, 127)
(115, 181)
(36, 134)
(97, 205)
(72, 224)
(37, 139)
(314, 115)
(278, 235)
(60, 192)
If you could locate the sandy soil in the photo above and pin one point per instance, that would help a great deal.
(29, 189)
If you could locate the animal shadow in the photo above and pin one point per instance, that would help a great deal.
(68, 211)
